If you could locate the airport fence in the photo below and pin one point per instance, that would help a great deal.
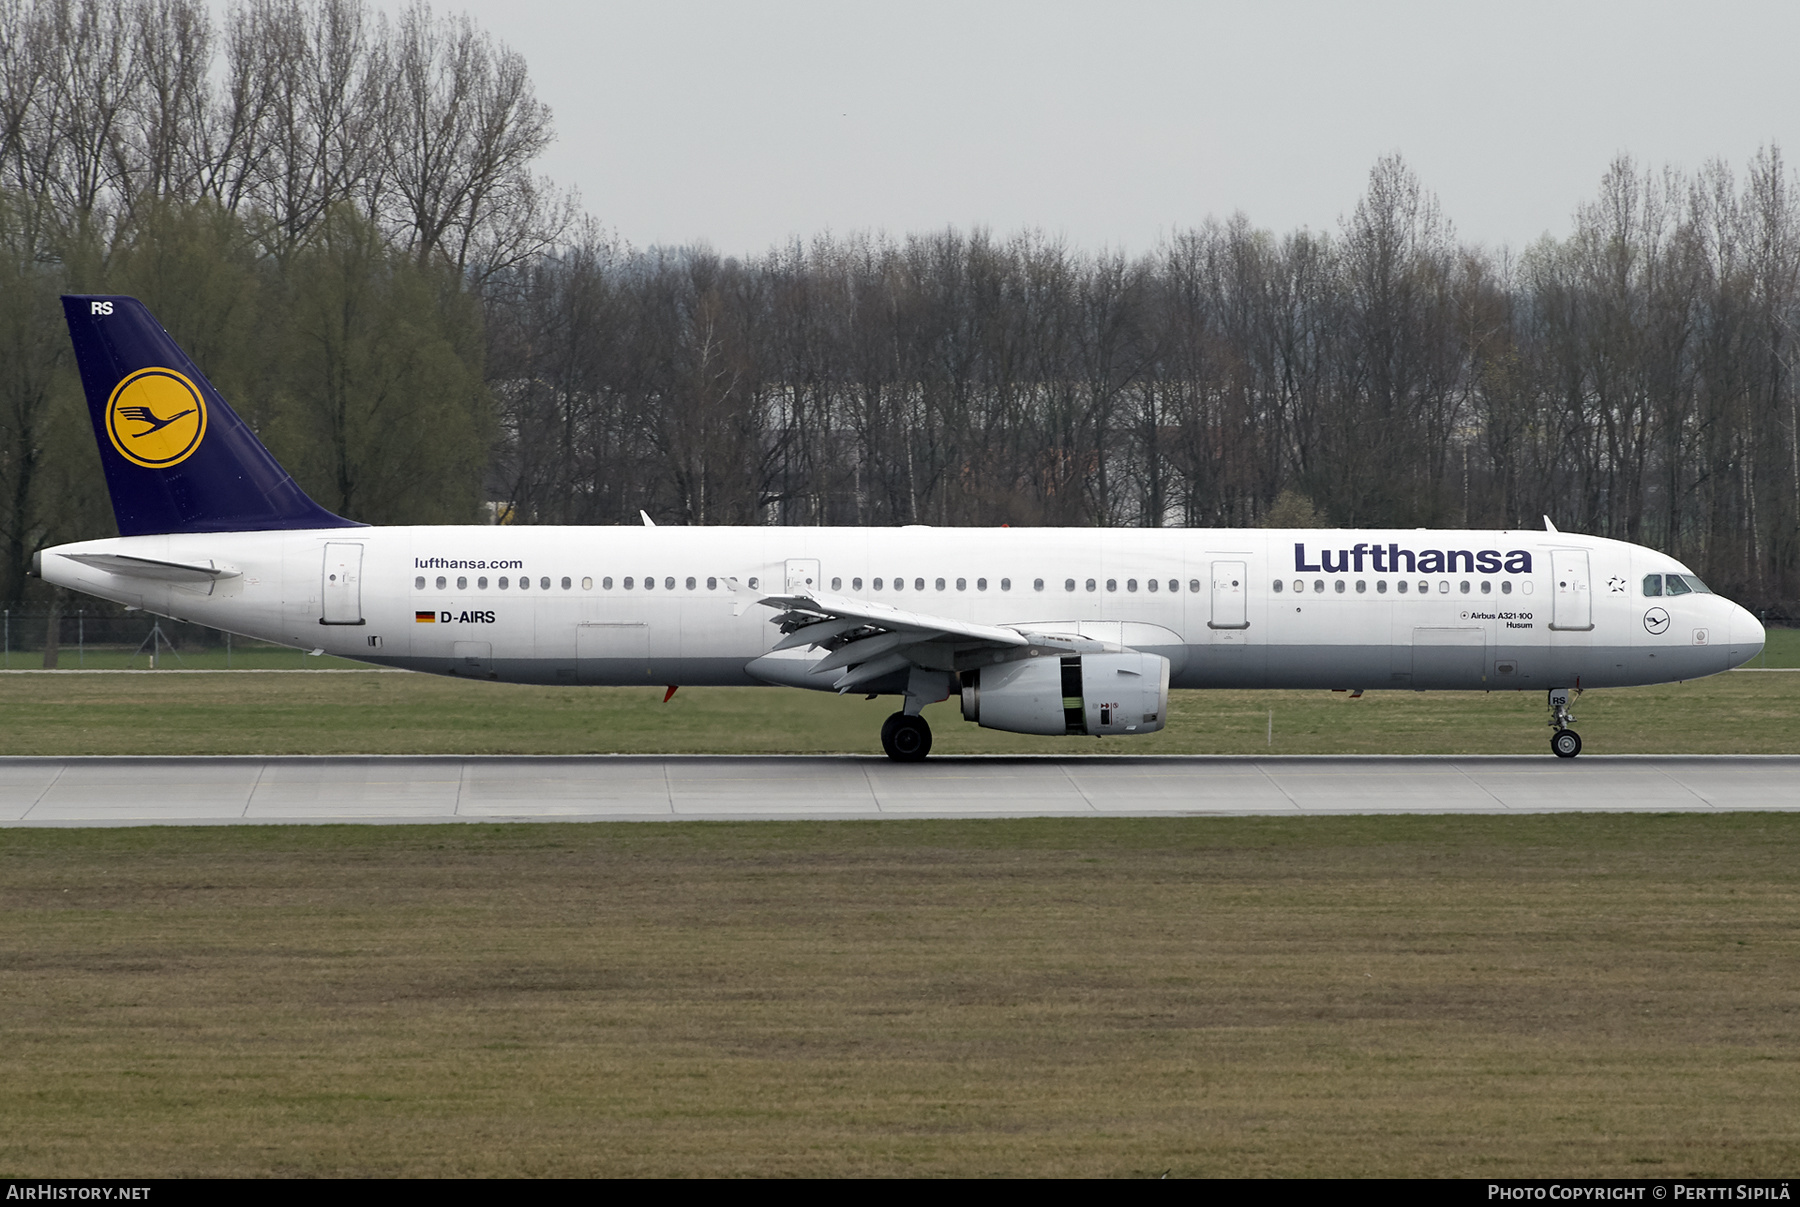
(99, 636)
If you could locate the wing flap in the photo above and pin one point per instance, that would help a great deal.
(865, 641)
(928, 627)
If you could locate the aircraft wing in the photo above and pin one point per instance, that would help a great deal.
(866, 640)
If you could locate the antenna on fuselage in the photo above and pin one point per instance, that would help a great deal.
(648, 522)
(1548, 526)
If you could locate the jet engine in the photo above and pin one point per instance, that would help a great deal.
(1080, 693)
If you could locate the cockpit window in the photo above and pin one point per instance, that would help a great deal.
(1675, 584)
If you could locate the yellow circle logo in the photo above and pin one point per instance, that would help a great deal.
(156, 418)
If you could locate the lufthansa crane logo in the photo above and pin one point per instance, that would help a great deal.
(156, 418)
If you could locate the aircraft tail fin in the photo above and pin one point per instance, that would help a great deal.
(177, 459)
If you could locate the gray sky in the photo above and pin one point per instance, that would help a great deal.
(745, 124)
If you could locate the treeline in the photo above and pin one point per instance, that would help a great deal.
(337, 216)
(1631, 380)
(309, 196)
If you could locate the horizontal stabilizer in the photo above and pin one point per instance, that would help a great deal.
(146, 567)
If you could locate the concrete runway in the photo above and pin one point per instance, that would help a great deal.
(392, 789)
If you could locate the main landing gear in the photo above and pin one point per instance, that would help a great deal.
(906, 739)
(1565, 743)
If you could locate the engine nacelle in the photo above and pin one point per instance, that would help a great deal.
(1080, 693)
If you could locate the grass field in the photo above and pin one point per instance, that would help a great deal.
(377, 713)
(1466, 996)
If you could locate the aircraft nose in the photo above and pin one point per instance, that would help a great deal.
(1747, 636)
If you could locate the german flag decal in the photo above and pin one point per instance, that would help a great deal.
(425, 617)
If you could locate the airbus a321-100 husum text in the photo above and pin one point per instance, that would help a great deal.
(1046, 631)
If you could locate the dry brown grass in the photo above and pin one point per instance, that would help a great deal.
(1450, 995)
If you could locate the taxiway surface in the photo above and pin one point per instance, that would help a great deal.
(123, 791)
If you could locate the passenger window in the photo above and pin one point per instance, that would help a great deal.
(962, 584)
(1506, 588)
(567, 584)
(419, 583)
(1090, 584)
(1652, 585)
(919, 584)
(876, 584)
(668, 584)
(482, 582)
(940, 585)
(1194, 586)
(1444, 587)
(1131, 584)
(1425, 587)
(1465, 586)
(981, 584)
(1112, 584)
(1068, 584)
(753, 585)
(692, 583)
(1152, 585)
(544, 584)
(856, 584)
(712, 583)
(1277, 585)
(524, 583)
(1400, 586)
(1487, 588)
(462, 583)
(627, 582)
(503, 583)
(899, 584)
(440, 582)
(1006, 584)
(1037, 584)
(1381, 586)
(1318, 586)
(587, 584)
(606, 583)
(837, 584)
(1338, 583)
(649, 583)
(1362, 588)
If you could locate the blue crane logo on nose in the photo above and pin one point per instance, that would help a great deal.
(1656, 621)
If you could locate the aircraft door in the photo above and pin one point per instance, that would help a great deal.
(340, 584)
(802, 576)
(1572, 605)
(1229, 587)
(473, 658)
(612, 654)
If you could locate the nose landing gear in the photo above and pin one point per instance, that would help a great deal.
(1565, 743)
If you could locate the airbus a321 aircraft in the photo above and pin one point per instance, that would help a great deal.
(1045, 631)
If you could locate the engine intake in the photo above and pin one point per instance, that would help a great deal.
(1081, 693)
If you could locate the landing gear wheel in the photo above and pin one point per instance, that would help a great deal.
(1565, 743)
(906, 739)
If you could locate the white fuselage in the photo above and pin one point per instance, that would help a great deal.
(1363, 609)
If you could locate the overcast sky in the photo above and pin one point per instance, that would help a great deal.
(745, 124)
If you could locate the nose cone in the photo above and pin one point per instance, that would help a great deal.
(1747, 637)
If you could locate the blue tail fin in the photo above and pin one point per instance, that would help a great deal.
(177, 458)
